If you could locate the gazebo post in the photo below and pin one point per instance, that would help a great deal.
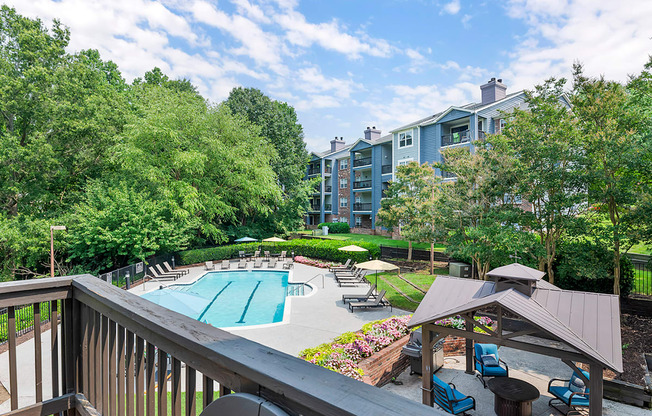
(595, 385)
(426, 365)
(469, 347)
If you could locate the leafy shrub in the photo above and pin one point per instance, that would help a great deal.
(336, 227)
(589, 266)
(317, 249)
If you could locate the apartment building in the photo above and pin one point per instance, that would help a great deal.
(354, 177)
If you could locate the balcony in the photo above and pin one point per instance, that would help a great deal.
(315, 208)
(328, 170)
(328, 189)
(328, 207)
(363, 161)
(456, 138)
(317, 189)
(362, 184)
(362, 206)
(314, 170)
(113, 343)
(447, 175)
(386, 169)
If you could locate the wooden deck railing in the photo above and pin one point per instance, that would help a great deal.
(116, 348)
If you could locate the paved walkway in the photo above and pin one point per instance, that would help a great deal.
(534, 368)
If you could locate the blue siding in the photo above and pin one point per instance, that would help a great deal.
(335, 184)
(430, 143)
(376, 181)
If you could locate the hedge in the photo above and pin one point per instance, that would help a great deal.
(336, 227)
(318, 249)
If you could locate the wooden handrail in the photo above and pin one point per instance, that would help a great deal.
(22, 292)
(241, 364)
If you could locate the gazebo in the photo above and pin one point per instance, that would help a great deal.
(586, 325)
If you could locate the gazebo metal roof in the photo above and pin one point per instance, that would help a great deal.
(516, 271)
(587, 322)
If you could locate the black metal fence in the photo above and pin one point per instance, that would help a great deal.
(133, 274)
(642, 277)
(417, 254)
(24, 316)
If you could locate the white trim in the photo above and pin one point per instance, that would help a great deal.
(411, 132)
(405, 161)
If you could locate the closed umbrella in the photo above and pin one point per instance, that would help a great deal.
(245, 240)
(377, 265)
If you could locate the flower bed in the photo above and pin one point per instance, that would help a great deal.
(349, 349)
(345, 353)
(315, 263)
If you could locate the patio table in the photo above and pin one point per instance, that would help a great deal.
(513, 397)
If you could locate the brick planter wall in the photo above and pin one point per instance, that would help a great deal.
(385, 364)
(454, 346)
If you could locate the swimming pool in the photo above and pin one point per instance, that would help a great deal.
(230, 298)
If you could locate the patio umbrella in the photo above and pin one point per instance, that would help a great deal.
(377, 265)
(274, 240)
(245, 240)
(353, 248)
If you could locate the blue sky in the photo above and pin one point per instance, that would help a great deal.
(345, 65)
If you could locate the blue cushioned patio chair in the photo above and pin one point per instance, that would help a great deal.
(487, 362)
(573, 393)
(449, 399)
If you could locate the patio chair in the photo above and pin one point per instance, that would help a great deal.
(345, 266)
(210, 265)
(288, 264)
(170, 269)
(487, 362)
(256, 254)
(272, 263)
(354, 279)
(258, 263)
(162, 271)
(226, 265)
(283, 255)
(154, 273)
(242, 264)
(241, 254)
(573, 394)
(359, 297)
(244, 404)
(379, 302)
(449, 399)
(266, 254)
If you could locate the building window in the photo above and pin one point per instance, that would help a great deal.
(405, 161)
(344, 202)
(405, 139)
(344, 183)
(344, 220)
(358, 200)
(358, 221)
(344, 164)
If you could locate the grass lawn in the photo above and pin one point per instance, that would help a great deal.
(380, 240)
(422, 280)
(641, 249)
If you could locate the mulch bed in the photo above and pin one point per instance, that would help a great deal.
(637, 338)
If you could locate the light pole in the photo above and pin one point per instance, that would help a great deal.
(53, 228)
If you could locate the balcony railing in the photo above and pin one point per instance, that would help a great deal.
(316, 189)
(328, 170)
(386, 169)
(447, 175)
(114, 348)
(315, 208)
(362, 206)
(455, 138)
(314, 170)
(328, 189)
(361, 184)
(328, 207)
(363, 161)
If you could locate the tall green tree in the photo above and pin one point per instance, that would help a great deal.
(280, 127)
(547, 166)
(481, 226)
(614, 147)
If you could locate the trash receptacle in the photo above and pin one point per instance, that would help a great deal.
(324, 230)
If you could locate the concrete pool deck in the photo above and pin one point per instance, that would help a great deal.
(313, 319)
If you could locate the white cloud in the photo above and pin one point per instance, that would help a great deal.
(609, 38)
(311, 80)
(452, 7)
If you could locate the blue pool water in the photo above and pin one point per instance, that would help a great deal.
(228, 299)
